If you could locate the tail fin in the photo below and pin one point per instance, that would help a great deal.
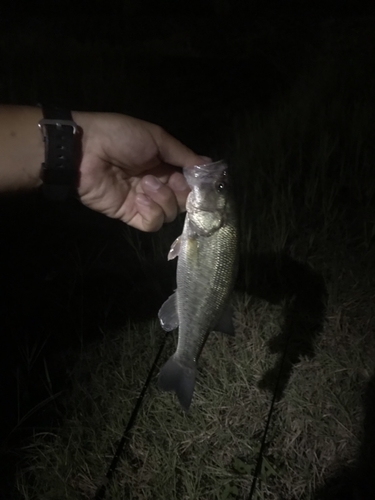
(180, 379)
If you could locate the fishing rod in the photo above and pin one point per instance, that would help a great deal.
(102, 489)
(258, 466)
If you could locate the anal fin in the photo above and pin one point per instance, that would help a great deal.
(225, 323)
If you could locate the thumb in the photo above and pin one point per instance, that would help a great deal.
(172, 151)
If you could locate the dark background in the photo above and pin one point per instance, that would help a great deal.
(68, 274)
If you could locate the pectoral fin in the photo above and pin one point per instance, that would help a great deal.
(175, 249)
(168, 315)
(225, 323)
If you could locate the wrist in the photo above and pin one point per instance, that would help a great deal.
(91, 129)
(21, 146)
(63, 151)
(82, 120)
(87, 124)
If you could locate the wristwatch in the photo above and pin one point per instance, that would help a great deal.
(62, 142)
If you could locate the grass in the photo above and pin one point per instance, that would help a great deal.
(315, 429)
(303, 174)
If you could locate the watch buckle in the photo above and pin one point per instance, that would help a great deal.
(58, 123)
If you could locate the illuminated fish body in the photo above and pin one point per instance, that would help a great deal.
(206, 269)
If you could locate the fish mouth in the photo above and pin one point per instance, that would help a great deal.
(208, 166)
(204, 173)
(202, 180)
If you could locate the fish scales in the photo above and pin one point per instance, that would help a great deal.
(206, 269)
(205, 282)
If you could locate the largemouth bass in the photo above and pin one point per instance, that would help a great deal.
(206, 269)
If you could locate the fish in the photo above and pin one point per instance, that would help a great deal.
(207, 252)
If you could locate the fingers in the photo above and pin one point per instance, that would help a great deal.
(162, 195)
(150, 215)
(158, 204)
(161, 202)
(172, 151)
(181, 189)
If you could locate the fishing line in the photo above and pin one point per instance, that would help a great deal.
(263, 442)
(101, 491)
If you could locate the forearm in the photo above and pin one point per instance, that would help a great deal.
(21, 148)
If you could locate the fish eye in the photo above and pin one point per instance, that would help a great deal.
(220, 187)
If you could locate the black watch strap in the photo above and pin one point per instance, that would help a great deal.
(62, 154)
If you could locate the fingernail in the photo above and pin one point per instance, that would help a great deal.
(152, 182)
(206, 159)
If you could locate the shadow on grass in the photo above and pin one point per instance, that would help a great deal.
(279, 278)
(357, 482)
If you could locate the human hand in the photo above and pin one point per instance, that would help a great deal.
(129, 169)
